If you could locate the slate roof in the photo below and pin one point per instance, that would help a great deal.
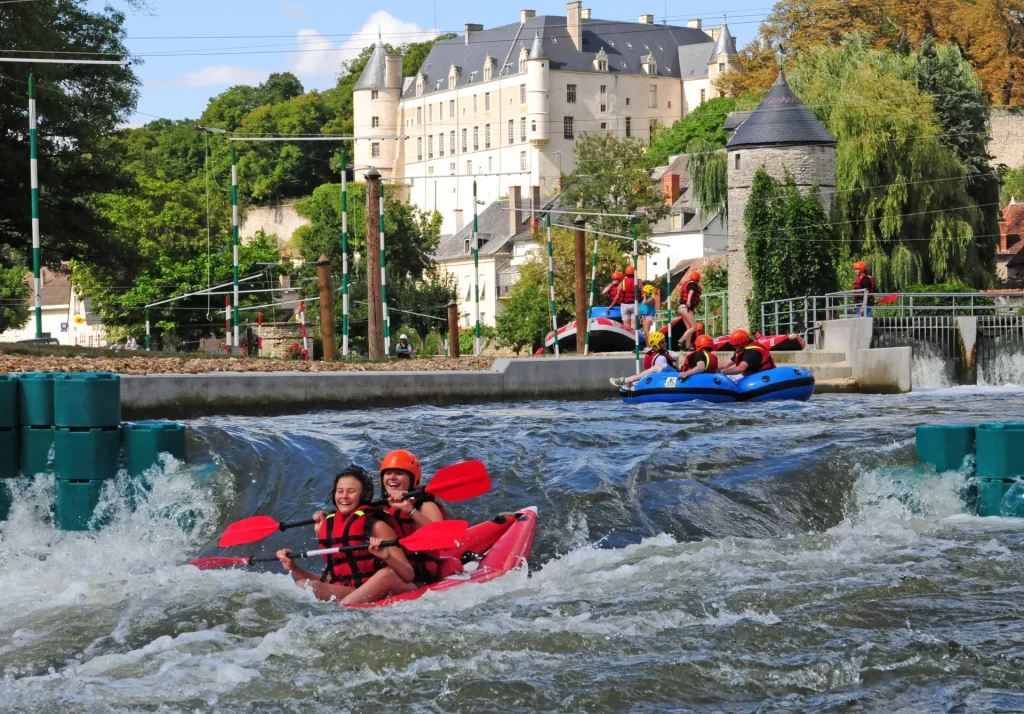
(734, 119)
(694, 60)
(1012, 224)
(781, 119)
(494, 229)
(625, 43)
(725, 43)
(374, 74)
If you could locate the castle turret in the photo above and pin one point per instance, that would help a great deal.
(538, 81)
(723, 57)
(783, 137)
(375, 109)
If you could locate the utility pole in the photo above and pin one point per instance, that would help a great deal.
(375, 320)
(453, 329)
(34, 172)
(234, 244)
(326, 306)
(476, 275)
(582, 318)
(344, 254)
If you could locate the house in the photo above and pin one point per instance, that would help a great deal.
(66, 315)
(1010, 256)
(504, 106)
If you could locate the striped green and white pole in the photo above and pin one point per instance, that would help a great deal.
(234, 241)
(668, 299)
(590, 307)
(476, 276)
(636, 303)
(34, 173)
(147, 330)
(551, 287)
(344, 256)
(383, 277)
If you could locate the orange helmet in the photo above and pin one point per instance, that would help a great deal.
(694, 275)
(704, 343)
(858, 266)
(630, 270)
(616, 275)
(739, 338)
(700, 327)
(403, 461)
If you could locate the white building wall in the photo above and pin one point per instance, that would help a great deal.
(692, 93)
(462, 271)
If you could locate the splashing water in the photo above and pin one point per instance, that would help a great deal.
(1007, 368)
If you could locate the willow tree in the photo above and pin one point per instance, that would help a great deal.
(903, 202)
(709, 172)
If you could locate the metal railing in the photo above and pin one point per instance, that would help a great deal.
(714, 324)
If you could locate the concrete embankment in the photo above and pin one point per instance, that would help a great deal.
(181, 395)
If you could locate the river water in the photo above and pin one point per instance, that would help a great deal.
(835, 575)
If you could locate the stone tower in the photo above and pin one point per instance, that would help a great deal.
(783, 136)
(375, 112)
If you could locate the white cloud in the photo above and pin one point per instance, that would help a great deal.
(294, 11)
(216, 75)
(324, 59)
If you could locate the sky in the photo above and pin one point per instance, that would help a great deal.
(193, 50)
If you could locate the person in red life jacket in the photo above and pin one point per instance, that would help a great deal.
(701, 360)
(749, 358)
(656, 359)
(689, 300)
(400, 472)
(363, 575)
(865, 287)
(629, 297)
(614, 290)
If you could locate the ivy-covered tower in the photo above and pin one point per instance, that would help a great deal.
(782, 136)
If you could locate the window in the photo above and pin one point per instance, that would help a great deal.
(703, 94)
(490, 164)
(627, 101)
(652, 96)
(375, 122)
(430, 113)
(419, 148)
(451, 144)
(604, 125)
(522, 161)
(567, 128)
(440, 144)
(487, 101)
(511, 131)
(451, 168)
(430, 170)
(669, 103)
(604, 107)
(451, 109)
(522, 94)
(522, 129)
(533, 126)
(570, 93)
(374, 94)
(487, 136)
(474, 104)
(419, 115)
(465, 141)
(721, 66)
(629, 127)
(469, 168)
(602, 65)
(440, 111)
(430, 146)
(736, 162)
(375, 150)
(476, 138)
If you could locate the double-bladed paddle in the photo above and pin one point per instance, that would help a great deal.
(458, 482)
(433, 536)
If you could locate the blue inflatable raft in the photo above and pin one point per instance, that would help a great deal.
(775, 384)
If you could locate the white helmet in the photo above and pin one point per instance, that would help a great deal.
(403, 336)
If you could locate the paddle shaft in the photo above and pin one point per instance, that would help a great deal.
(324, 551)
(418, 493)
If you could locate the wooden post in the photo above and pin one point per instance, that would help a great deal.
(453, 329)
(326, 306)
(581, 284)
(375, 326)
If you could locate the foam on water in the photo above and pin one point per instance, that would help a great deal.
(1006, 369)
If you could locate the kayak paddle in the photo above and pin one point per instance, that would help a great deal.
(433, 536)
(458, 482)
(888, 300)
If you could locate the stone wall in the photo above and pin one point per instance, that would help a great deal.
(809, 166)
(1006, 142)
(279, 336)
(281, 220)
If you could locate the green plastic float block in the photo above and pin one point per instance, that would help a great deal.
(990, 495)
(36, 442)
(35, 398)
(144, 441)
(85, 399)
(945, 447)
(86, 454)
(8, 401)
(1000, 450)
(10, 465)
(76, 501)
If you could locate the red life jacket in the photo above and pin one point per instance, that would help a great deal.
(865, 282)
(766, 359)
(425, 564)
(406, 525)
(354, 568)
(695, 287)
(613, 293)
(629, 289)
(651, 356)
(710, 361)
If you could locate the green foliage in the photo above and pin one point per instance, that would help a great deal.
(1011, 186)
(432, 344)
(14, 296)
(790, 248)
(467, 337)
(706, 123)
(525, 319)
(709, 171)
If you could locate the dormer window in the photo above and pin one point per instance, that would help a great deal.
(650, 64)
(488, 68)
(420, 82)
(524, 54)
(601, 61)
(453, 76)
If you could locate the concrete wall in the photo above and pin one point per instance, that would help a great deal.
(281, 220)
(883, 371)
(1006, 142)
(848, 336)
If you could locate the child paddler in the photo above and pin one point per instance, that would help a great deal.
(400, 472)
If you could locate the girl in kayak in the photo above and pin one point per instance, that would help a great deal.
(400, 472)
(367, 574)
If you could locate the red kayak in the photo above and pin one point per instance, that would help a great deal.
(505, 544)
(775, 342)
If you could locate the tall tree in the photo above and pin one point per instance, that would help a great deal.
(706, 122)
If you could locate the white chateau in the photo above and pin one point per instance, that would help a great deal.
(505, 106)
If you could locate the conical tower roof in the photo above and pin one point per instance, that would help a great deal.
(725, 43)
(781, 119)
(537, 50)
(374, 74)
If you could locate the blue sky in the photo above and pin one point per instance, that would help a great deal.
(193, 50)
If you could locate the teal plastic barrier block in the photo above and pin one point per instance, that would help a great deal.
(84, 399)
(5, 499)
(1000, 450)
(36, 442)
(144, 441)
(86, 454)
(990, 495)
(10, 464)
(35, 398)
(8, 401)
(1013, 501)
(76, 501)
(945, 447)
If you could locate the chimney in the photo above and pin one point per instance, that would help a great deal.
(695, 24)
(459, 223)
(515, 213)
(573, 10)
(646, 19)
(393, 71)
(525, 15)
(471, 28)
(713, 33)
(585, 13)
(534, 210)
(671, 188)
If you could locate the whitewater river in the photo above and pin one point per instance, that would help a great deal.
(836, 576)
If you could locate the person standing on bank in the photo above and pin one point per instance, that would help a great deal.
(403, 349)
(865, 285)
(689, 300)
(627, 291)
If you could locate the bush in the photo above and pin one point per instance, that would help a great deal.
(467, 335)
(432, 344)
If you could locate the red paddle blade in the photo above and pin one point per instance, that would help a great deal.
(889, 299)
(218, 562)
(436, 536)
(248, 530)
(460, 482)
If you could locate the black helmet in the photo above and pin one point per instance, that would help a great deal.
(366, 496)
